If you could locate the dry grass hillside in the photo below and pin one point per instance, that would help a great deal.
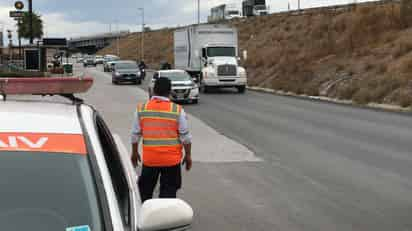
(364, 53)
(158, 47)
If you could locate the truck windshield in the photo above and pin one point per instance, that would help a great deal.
(221, 51)
(47, 191)
(260, 7)
(233, 12)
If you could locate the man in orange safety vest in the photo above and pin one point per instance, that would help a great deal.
(163, 127)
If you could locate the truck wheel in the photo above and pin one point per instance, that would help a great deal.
(241, 89)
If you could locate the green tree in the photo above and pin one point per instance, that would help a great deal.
(24, 26)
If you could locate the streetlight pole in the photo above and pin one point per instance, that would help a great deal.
(142, 36)
(31, 21)
(198, 12)
(117, 38)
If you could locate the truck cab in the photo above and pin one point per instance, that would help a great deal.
(221, 68)
(260, 10)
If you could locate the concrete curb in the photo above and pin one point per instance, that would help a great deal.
(385, 107)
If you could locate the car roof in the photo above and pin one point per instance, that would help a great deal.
(39, 117)
(126, 61)
(171, 71)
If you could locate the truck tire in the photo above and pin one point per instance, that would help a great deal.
(241, 89)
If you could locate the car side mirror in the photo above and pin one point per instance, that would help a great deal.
(165, 214)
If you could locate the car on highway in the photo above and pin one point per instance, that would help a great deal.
(89, 61)
(126, 71)
(184, 88)
(98, 59)
(109, 61)
(62, 168)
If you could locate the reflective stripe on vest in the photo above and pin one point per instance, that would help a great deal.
(159, 124)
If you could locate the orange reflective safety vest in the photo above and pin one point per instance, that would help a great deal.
(159, 124)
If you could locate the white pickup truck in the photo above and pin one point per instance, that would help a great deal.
(210, 53)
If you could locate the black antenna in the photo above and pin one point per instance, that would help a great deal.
(73, 98)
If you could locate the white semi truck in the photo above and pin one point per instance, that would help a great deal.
(210, 54)
(224, 12)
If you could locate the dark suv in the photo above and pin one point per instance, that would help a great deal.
(126, 71)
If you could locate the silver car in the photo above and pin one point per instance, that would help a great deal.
(184, 88)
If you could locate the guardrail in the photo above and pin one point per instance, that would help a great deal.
(340, 8)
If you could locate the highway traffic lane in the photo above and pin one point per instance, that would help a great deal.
(319, 172)
(360, 159)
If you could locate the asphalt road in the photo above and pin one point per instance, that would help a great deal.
(317, 166)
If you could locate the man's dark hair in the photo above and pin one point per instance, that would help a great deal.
(162, 87)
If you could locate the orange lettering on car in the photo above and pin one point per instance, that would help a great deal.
(43, 142)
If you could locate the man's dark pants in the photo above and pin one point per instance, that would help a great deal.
(170, 181)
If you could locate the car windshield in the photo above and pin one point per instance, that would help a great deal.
(47, 191)
(176, 76)
(126, 66)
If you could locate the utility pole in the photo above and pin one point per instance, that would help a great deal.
(298, 4)
(9, 36)
(19, 37)
(198, 12)
(142, 37)
(31, 21)
(118, 38)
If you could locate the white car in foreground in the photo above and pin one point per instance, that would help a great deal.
(184, 88)
(62, 169)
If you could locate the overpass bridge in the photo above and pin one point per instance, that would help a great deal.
(91, 44)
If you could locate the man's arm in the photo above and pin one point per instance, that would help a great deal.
(188, 156)
(135, 139)
(186, 139)
(135, 154)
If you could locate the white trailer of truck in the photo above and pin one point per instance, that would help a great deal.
(210, 53)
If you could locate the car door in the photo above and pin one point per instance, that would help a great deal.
(122, 174)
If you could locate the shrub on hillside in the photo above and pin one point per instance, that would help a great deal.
(402, 47)
(362, 96)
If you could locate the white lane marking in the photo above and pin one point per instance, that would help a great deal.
(211, 146)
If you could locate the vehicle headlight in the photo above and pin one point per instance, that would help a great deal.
(117, 73)
(139, 73)
(242, 74)
(212, 73)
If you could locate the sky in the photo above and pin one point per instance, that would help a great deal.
(74, 18)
